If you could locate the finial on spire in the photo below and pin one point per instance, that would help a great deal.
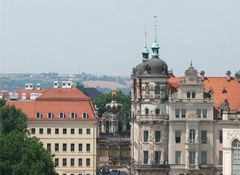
(155, 27)
(145, 36)
(191, 64)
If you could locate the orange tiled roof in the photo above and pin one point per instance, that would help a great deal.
(64, 94)
(55, 103)
(217, 84)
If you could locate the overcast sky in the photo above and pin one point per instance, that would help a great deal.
(107, 36)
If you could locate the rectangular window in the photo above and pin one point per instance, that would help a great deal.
(204, 157)
(193, 94)
(72, 162)
(199, 113)
(49, 115)
(145, 157)
(61, 115)
(220, 136)
(220, 157)
(49, 131)
(204, 113)
(178, 136)
(73, 115)
(64, 162)
(64, 147)
(80, 131)
(188, 94)
(56, 162)
(85, 115)
(56, 147)
(157, 136)
(204, 137)
(88, 147)
(49, 146)
(88, 131)
(64, 131)
(72, 130)
(80, 147)
(40, 130)
(177, 113)
(56, 131)
(177, 157)
(192, 157)
(38, 115)
(183, 113)
(145, 136)
(33, 130)
(72, 147)
(88, 162)
(79, 162)
(157, 157)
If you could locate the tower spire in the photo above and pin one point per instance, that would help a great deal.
(155, 28)
(155, 45)
(145, 51)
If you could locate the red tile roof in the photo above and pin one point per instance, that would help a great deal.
(56, 101)
(217, 84)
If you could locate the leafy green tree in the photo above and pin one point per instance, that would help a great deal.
(2, 102)
(125, 100)
(20, 154)
(12, 119)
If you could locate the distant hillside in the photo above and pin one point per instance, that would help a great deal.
(104, 83)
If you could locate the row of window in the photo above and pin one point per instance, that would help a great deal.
(72, 147)
(157, 137)
(192, 133)
(64, 131)
(181, 113)
(192, 157)
(72, 162)
(61, 115)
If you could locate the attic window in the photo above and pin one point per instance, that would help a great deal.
(49, 115)
(61, 115)
(85, 115)
(38, 115)
(73, 115)
(224, 90)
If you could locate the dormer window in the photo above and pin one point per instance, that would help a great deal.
(49, 115)
(85, 115)
(191, 95)
(61, 115)
(73, 115)
(38, 115)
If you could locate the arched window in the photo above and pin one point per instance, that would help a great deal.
(107, 127)
(146, 111)
(192, 136)
(157, 89)
(236, 157)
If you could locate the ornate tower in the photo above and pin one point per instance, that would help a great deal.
(149, 126)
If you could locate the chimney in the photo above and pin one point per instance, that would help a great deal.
(69, 84)
(237, 76)
(228, 73)
(202, 74)
(56, 84)
(38, 87)
(29, 86)
(64, 84)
